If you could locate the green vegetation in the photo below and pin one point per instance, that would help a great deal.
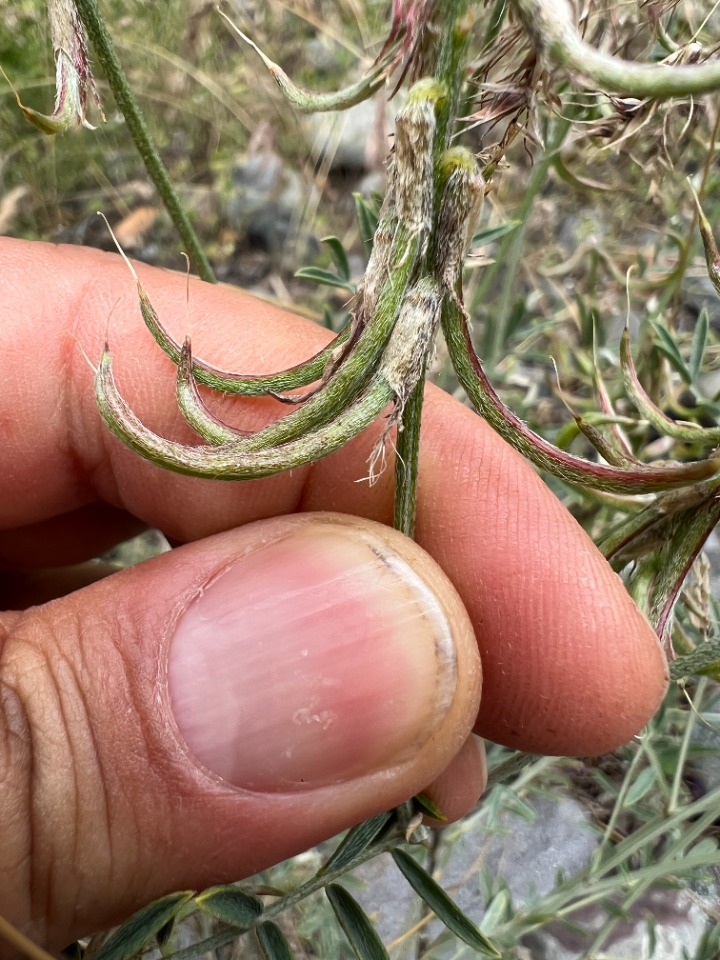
(601, 198)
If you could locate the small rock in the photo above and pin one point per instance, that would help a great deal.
(266, 195)
(355, 141)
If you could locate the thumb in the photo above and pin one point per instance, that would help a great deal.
(217, 709)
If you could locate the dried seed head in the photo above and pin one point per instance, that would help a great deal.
(412, 26)
(460, 205)
(413, 167)
(412, 339)
(73, 76)
(378, 267)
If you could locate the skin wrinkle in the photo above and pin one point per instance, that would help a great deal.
(14, 808)
(98, 777)
(49, 793)
(66, 900)
(45, 680)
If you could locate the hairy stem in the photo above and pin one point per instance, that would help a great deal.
(449, 75)
(128, 105)
(407, 462)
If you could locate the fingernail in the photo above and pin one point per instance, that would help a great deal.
(314, 659)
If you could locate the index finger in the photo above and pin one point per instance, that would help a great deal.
(570, 665)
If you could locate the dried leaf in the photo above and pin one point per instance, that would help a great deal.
(73, 76)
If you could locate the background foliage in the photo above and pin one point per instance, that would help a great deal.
(590, 222)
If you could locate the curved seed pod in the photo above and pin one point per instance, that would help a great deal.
(687, 538)
(712, 257)
(689, 432)
(308, 101)
(248, 385)
(650, 527)
(192, 407)
(230, 461)
(358, 366)
(551, 24)
(604, 446)
(635, 480)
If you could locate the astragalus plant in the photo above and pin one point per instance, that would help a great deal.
(454, 64)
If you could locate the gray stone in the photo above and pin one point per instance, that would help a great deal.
(355, 140)
(266, 197)
(524, 852)
(391, 904)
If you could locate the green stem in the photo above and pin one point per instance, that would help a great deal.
(128, 105)
(449, 66)
(449, 74)
(407, 461)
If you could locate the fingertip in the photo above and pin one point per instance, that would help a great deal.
(591, 673)
(459, 787)
(570, 665)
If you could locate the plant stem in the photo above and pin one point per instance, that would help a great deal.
(449, 66)
(318, 882)
(128, 105)
(407, 462)
(449, 74)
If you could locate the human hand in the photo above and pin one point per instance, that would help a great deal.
(284, 674)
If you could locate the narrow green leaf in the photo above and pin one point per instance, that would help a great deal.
(698, 343)
(614, 909)
(355, 841)
(273, 942)
(326, 277)
(427, 806)
(231, 905)
(497, 18)
(489, 234)
(640, 786)
(442, 906)
(367, 220)
(327, 318)
(339, 256)
(356, 925)
(705, 847)
(498, 910)
(666, 344)
(517, 317)
(130, 938)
